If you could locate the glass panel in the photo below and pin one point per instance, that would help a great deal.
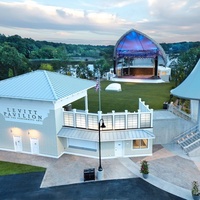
(119, 122)
(136, 144)
(132, 121)
(93, 122)
(140, 144)
(108, 121)
(144, 144)
(80, 120)
(68, 119)
(145, 120)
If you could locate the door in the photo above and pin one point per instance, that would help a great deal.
(34, 146)
(17, 143)
(118, 149)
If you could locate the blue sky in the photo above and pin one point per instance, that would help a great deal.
(100, 22)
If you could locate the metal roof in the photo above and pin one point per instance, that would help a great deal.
(189, 88)
(43, 85)
(106, 136)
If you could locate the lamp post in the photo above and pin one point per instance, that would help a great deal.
(100, 169)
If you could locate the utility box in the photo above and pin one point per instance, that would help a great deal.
(89, 174)
(165, 105)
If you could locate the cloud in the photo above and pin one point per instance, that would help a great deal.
(174, 20)
(179, 12)
(105, 5)
(102, 20)
(29, 14)
(61, 24)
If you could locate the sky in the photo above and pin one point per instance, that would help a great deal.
(100, 22)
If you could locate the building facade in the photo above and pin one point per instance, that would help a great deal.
(33, 120)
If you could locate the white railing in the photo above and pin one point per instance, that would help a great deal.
(113, 121)
(178, 112)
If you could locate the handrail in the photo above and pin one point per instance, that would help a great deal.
(175, 110)
(193, 129)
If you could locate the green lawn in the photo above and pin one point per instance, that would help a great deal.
(153, 94)
(7, 168)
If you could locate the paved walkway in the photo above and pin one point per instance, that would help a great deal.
(170, 169)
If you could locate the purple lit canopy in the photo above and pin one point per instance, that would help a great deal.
(134, 44)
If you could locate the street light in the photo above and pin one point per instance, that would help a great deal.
(101, 125)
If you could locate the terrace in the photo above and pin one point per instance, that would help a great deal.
(141, 119)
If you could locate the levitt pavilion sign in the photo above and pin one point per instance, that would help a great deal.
(24, 115)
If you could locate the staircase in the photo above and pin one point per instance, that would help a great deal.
(189, 140)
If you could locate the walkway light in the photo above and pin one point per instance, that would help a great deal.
(100, 169)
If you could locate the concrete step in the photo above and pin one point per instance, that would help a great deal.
(193, 146)
(190, 141)
(188, 132)
(188, 137)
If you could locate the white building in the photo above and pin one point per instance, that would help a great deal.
(33, 120)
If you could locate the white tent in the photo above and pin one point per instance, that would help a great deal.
(114, 87)
(164, 73)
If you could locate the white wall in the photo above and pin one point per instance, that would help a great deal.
(28, 119)
(166, 127)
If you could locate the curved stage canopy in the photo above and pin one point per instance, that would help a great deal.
(134, 44)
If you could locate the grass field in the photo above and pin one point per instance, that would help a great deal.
(153, 94)
(7, 168)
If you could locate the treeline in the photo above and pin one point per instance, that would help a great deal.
(20, 55)
(32, 49)
(180, 47)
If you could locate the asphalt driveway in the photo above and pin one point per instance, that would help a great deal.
(27, 186)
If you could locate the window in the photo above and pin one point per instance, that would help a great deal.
(82, 144)
(140, 144)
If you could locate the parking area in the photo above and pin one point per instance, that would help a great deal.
(171, 174)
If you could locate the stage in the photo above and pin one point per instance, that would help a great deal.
(138, 79)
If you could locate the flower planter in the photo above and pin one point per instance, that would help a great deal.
(144, 168)
(195, 197)
(145, 176)
(195, 190)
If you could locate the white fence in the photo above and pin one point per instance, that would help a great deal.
(113, 121)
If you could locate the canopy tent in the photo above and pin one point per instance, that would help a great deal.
(134, 44)
(189, 88)
(114, 87)
(164, 73)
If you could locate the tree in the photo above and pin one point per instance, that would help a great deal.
(46, 66)
(82, 70)
(11, 59)
(185, 64)
(61, 53)
(46, 52)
